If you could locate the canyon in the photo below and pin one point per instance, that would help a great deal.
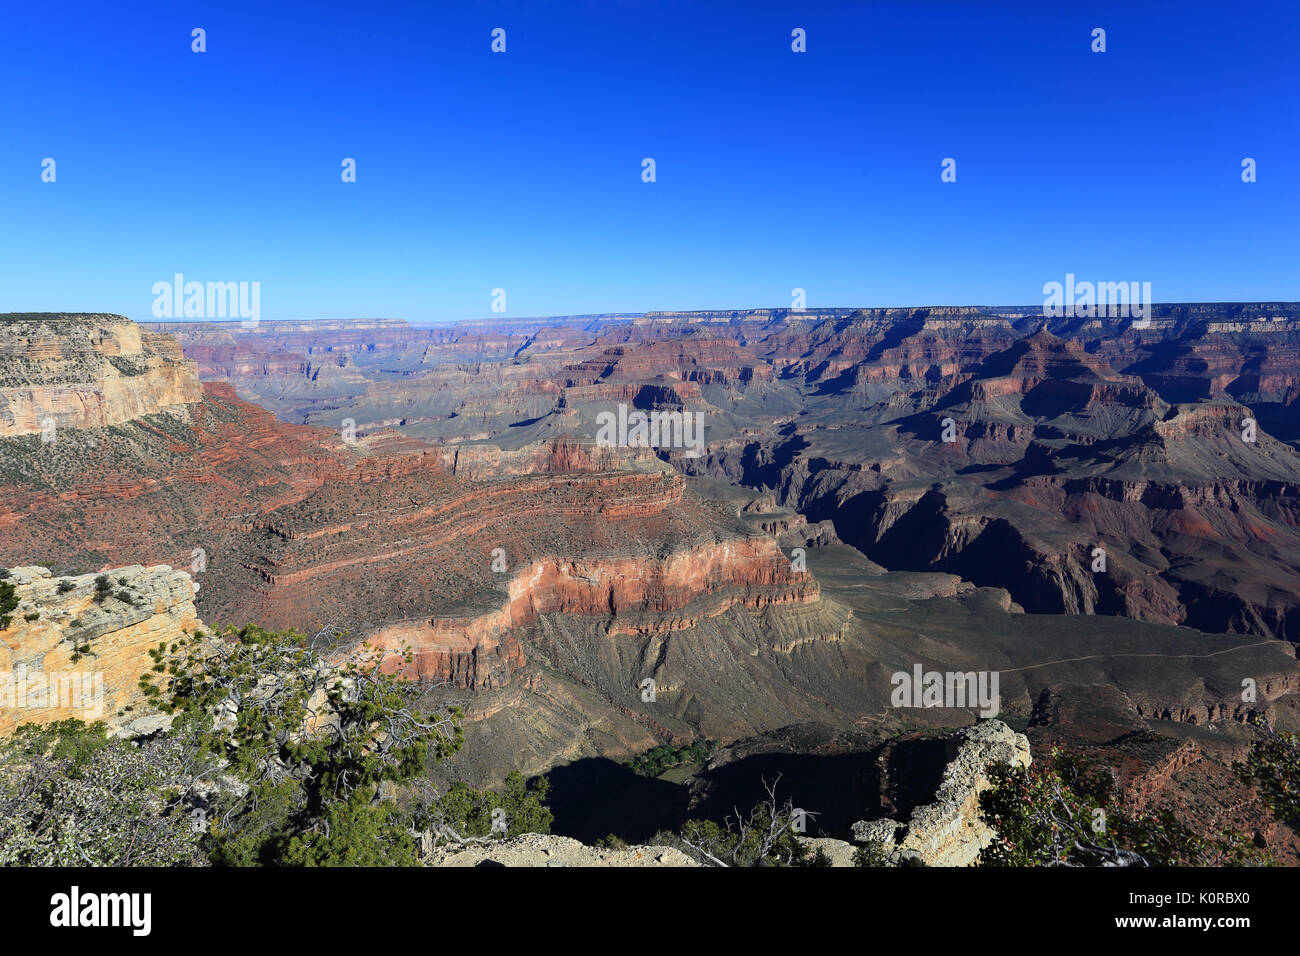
(879, 489)
(1069, 434)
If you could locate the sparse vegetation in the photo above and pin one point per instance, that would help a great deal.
(657, 761)
(1062, 811)
(126, 366)
(870, 854)
(313, 748)
(1273, 767)
(71, 796)
(766, 836)
(462, 814)
(274, 757)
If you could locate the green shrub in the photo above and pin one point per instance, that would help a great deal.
(766, 836)
(71, 796)
(1273, 767)
(658, 760)
(465, 813)
(313, 747)
(8, 601)
(1063, 811)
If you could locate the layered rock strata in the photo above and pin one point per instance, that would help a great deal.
(83, 371)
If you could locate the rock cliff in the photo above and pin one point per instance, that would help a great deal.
(950, 830)
(76, 646)
(82, 371)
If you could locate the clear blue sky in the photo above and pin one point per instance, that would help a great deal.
(523, 170)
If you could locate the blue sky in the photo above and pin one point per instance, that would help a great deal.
(522, 170)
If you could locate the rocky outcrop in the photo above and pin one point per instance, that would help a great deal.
(76, 647)
(836, 853)
(950, 830)
(537, 849)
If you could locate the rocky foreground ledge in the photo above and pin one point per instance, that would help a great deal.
(536, 849)
(950, 830)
